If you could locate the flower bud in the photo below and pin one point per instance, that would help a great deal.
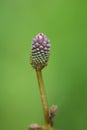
(40, 51)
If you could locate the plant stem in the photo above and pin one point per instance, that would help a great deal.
(43, 96)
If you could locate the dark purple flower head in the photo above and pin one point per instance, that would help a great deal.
(40, 51)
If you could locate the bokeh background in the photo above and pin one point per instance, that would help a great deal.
(65, 24)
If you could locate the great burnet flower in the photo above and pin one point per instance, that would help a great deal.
(40, 51)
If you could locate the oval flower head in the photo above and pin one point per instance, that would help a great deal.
(40, 51)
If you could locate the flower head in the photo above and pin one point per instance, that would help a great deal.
(40, 51)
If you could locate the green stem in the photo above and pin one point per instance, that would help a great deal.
(43, 96)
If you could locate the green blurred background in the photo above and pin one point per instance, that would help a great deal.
(65, 24)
